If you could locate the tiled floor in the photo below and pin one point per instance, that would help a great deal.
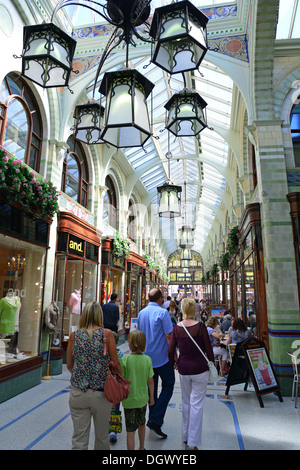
(39, 419)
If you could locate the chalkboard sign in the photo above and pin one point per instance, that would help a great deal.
(251, 360)
(261, 369)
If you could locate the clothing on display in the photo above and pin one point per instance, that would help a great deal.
(75, 302)
(9, 314)
(52, 318)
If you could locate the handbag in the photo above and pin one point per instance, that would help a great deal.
(116, 387)
(213, 372)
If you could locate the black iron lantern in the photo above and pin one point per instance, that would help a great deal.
(185, 254)
(185, 263)
(170, 198)
(88, 120)
(186, 237)
(179, 31)
(47, 55)
(126, 120)
(186, 114)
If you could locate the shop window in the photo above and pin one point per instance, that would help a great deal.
(75, 180)
(21, 293)
(20, 121)
(110, 203)
(295, 131)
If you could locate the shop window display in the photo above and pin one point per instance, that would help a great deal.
(75, 286)
(21, 288)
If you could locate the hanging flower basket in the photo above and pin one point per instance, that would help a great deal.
(224, 261)
(232, 243)
(150, 262)
(121, 247)
(214, 269)
(19, 184)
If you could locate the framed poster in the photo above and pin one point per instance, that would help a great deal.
(133, 324)
(260, 367)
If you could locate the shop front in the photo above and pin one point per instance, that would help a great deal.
(294, 200)
(135, 289)
(112, 277)
(247, 275)
(76, 270)
(23, 254)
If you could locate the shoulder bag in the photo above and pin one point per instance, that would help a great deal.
(213, 373)
(116, 387)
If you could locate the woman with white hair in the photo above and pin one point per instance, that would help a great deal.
(193, 370)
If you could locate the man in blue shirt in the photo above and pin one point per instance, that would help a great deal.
(111, 313)
(156, 323)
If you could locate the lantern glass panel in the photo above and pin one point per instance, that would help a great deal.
(38, 47)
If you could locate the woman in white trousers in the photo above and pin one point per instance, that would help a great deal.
(193, 370)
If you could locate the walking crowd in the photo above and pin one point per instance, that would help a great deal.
(163, 341)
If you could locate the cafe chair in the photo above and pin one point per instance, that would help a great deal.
(296, 377)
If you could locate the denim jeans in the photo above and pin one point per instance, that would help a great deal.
(158, 410)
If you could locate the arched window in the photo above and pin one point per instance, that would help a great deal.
(75, 179)
(20, 121)
(110, 203)
(131, 228)
(295, 130)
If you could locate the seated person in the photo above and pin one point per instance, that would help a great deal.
(226, 324)
(238, 332)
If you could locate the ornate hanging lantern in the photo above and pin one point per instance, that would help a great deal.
(186, 114)
(47, 55)
(185, 255)
(170, 198)
(186, 237)
(126, 120)
(179, 31)
(88, 119)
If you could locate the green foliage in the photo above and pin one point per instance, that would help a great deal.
(121, 246)
(18, 183)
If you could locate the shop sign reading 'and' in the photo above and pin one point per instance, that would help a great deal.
(76, 245)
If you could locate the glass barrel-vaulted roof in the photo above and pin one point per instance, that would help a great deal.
(199, 162)
(288, 26)
(84, 16)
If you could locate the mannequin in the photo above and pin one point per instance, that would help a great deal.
(75, 307)
(74, 302)
(52, 317)
(9, 313)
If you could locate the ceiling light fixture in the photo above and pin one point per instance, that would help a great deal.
(178, 32)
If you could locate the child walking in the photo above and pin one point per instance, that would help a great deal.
(137, 367)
